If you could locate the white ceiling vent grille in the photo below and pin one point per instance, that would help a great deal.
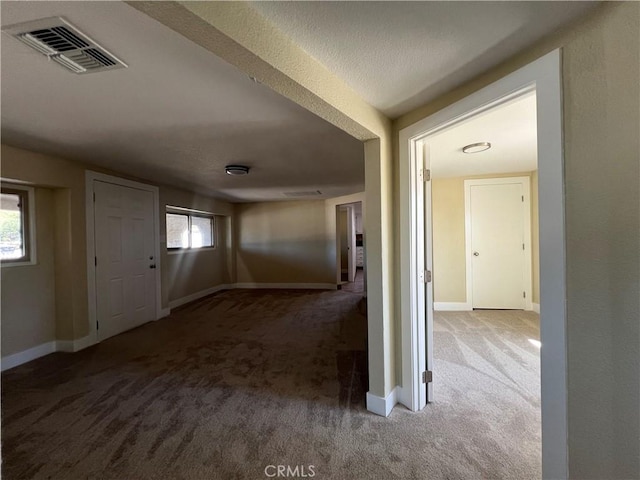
(63, 43)
(312, 193)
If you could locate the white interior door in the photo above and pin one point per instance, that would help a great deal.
(424, 264)
(351, 233)
(497, 246)
(125, 258)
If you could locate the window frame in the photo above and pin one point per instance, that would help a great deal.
(28, 224)
(189, 213)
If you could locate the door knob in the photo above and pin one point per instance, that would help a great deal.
(476, 254)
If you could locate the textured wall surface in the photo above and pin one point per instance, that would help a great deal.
(283, 242)
(601, 76)
(28, 292)
(187, 273)
(70, 234)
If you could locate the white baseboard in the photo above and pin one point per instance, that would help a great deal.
(165, 312)
(198, 295)
(84, 342)
(452, 306)
(307, 286)
(75, 345)
(535, 307)
(65, 346)
(382, 406)
(38, 351)
(25, 356)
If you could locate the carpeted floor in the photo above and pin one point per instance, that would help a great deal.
(244, 379)
(357, 286)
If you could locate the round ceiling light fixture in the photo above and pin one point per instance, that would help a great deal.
(236, 170)
(476, 147)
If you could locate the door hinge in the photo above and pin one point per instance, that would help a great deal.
(425, 175)
(95, 260)
(427, 376)
(427, 276)
(94, 197)
(523, 246)
(97, 325)
(524, 294)
(523, 198)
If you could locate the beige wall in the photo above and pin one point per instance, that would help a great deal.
(28, 291)
(447, 203)
(290, 242)
(70, 233)
(181, 275)
(186, 273)
(601, 78)
(283, 242)
(449, 261)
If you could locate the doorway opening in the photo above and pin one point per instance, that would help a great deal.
(350, 246)
(123, 254)
(419, 372)
(483, 249)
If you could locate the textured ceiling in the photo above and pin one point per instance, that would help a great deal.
(177, 115)
(511, 130)
(400, 55)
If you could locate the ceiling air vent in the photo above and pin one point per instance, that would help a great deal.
(312, 193)
(63, 43)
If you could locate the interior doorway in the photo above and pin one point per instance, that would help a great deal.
(125, 258)
(123, 254)
(486, 352)
(542, 76)
(350, 246)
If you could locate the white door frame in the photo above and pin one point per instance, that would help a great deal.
(526, 205)
(545, 77)
(90, 177)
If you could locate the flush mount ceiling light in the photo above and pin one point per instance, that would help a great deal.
(476, 147)
(236, 170)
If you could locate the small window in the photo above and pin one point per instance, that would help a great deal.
(189, 230)
(14, 225)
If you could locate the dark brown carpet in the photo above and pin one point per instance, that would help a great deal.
(246, 379)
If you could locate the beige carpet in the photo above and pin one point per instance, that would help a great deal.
(246, 379)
